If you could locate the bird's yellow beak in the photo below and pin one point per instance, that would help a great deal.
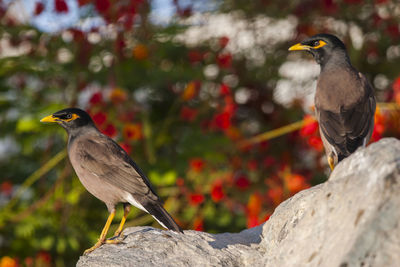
(299, 46)
(49, 118)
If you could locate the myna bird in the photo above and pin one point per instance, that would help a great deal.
(107, 172)
(344, 99)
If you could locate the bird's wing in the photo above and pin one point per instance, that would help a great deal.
(107, 160)
(347, 129)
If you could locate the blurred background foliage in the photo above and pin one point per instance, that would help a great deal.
(181, 85)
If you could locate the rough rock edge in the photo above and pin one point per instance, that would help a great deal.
(292, 237)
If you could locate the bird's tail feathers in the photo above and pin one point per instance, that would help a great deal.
(162, 216)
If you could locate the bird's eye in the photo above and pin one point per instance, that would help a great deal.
(68, 116)
(316, 43)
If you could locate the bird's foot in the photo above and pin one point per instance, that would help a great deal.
(331, 163)
(97, 245)
(116, 239)
(113, 241)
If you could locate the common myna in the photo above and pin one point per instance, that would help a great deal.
(107, 172)
(344, 100)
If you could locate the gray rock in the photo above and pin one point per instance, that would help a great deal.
(351, 220)
(146, 246)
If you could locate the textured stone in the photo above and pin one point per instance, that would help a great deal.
(146, 246)
(351, 220)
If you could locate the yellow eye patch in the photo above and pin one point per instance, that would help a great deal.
(73, 117)
(321, 44)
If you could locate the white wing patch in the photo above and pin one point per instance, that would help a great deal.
(133, 202)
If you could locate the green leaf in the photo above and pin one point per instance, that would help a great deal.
(27, 124)
(24, 230)
(47, 242)
(168, 178)
(61, 245)
(73, 196)
(73, 243)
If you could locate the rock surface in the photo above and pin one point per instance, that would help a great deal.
(351, 220)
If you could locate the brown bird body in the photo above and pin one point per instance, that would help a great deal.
(107, 171)
(344, 99)
(347, 122)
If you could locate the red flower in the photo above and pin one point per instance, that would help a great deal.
(223, 41)
(316, 143)
(230, 105)
(253, 210)
(195, 56)
(396, 90)
(197, 164)
(223, 120)
(252, 165)
(60, 6)
(224, 60)
(43, 256)
(127, 116)
(39, 7)
(188, 114)
(393, 30)
(118, 95)
(28, 262)
(6, 188)
(275, 194)
(310, 126)
(264, 144)
(96, 98)
(296, 183)
(252, 221)
(329, 6)
(132, 131)
(269, 161)
(396, 85)
(217, 192)
(379, 126)
(198, 224)
(180, 182)
(110, 130)
(242, 182)
(127, 147)
(224, 90)
(254, 205)
(120, 44)
(196, 199)
(78, 35)
(102, 5)
(377, 132)
(99, 118)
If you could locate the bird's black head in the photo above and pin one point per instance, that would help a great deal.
(70, 118)
(323, 47)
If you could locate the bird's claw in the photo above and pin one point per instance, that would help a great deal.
(331, 163)
(97, 245)
(116, 239)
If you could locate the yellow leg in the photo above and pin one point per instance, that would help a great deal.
(112, 240)
(103, 234)
(331, 163)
